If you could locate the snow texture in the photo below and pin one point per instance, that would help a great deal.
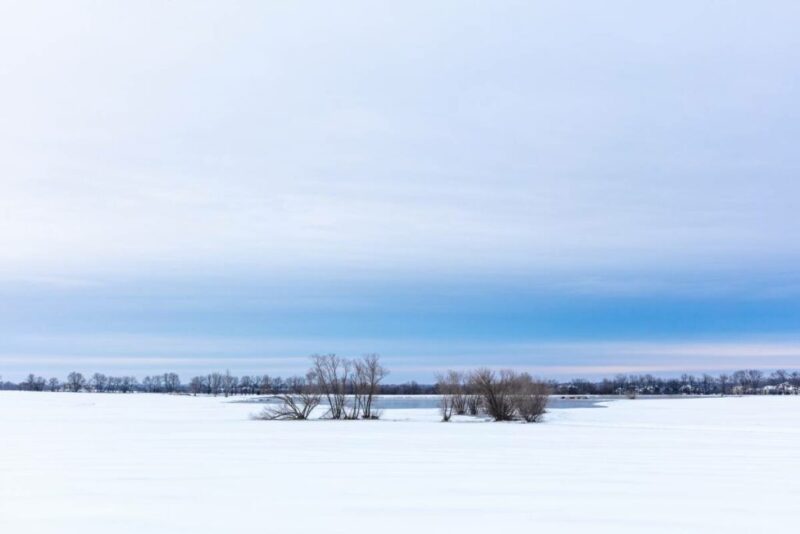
(91, 463)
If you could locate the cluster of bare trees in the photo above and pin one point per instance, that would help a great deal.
(37, 383)
(504, 395)
(348, 387)
(227, 384)
(100, 383)
(215, 384)
(297, 403)
(165, 383)
(76, 382)
(743, 382)
(115, 384)
(212, 384)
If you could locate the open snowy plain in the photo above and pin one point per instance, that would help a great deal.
(94, 463)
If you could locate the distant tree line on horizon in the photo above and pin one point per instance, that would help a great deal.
(742, 382)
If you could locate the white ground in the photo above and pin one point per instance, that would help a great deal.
(90, 463)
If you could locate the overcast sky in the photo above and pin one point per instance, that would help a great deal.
(577, 188)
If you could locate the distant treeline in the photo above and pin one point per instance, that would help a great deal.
(217, 383)
(744, 382)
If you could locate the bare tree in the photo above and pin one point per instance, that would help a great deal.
(754, 376)
(214, 383)
(449, 386)
(332, 375)
(358, 386)
(99, 382)
(297, 404)
(228, 383)
(196, 385)
(53, 384)
(246, 385)
(34, 383)
(29, 383)
(723, 383)
(456, 385)
(75, 381)
(473, 403)
(740, 379)
(128, 384)
(530, 397)
(153, 384)
(171, 382)
(794, 379)
(707, 384)
(277, 384)
(496, 392)
(264, 385)
(369, 372)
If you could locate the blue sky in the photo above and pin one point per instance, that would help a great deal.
(574, 188)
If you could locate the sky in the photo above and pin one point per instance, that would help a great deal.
(572, 188)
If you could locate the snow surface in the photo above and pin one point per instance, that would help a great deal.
(93, 463)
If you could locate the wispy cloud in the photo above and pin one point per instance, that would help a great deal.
(405, 162)
(433, 181)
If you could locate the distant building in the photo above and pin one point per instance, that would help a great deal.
(784, 388)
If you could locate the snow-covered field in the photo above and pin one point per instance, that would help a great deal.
(91, 463)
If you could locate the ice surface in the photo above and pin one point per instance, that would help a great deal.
(94, 463)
